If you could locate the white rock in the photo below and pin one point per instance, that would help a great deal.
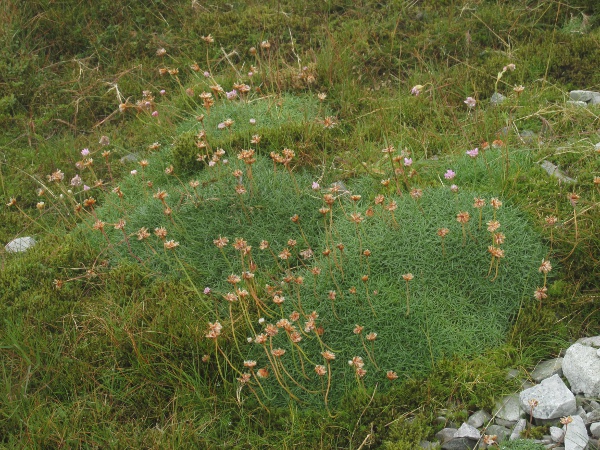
(576, 437)
(593, 341)
(20, 244)
(518, 429)
(467, 431)
(557, 434)
(581, 366)
(478, 418)
(577, 103)
(546, 369)
(553, 396)
(582, 96)
(508, 408)
(595, 429)
(595, 99)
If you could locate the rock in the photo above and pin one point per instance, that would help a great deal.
(593, 416)
(595, 340)
(497, 99)
(479, 418)
(20, 244)
(595, 430)
(576, 437)
(440, 420)
(528, 136)
(582, 96)
(556, 172)
(514, 373)
(547, 368)
(446, 434)
(593, 443)
(129, 158)
(553, 396)
(557, 434)
(459, 444)
(503, 433)
(581, 366)
(518, 429)
(581, 413)
(508, 410)
(467, 431)
(594, 404)
(595, 99)
(578, 104)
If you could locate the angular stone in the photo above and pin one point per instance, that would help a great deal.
(576, 437)
(467, 431)
(445, 434)
(508, 409)
(595, 99)
(581, 366)
(578, 104)
(547, 368)
(593, 416)
(459, 444)
(497, 98)
(479, 418)
(595, 430)
(554, 171)
(554, 399)
(21, 244)
(557, 434)
(518, 429)
(582, 96)
(593, 341)
(503, 433)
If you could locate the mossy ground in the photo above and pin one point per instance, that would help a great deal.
(113, 358)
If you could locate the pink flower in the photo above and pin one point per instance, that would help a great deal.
(252, 121)
(163, 92)
(450, 174)
(133, 172)
(315, 186)
(85, 152)
(470, 102)
(454, 188)
(473, 153)
(211, 163)
(76, 180)
(86, 187)
(154, 113)
(206, 290)
(416, 90)
(250, 74)
(221, 126)
(408, 162)
(231, 94)
(207, 74)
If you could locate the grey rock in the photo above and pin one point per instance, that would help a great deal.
(581, 366)
(595, 99)
(129, 158)
(467, 431)
(445, 434)
(576, 437)
(528, 136)
(518, 429)
(557, 434)
(594, 404)
(440, 420)
(497, 99)
(582, 96)
(554, 171)
(21, 244)
(459, 444)
(576, 103)
(553, 396)
(479, 418)
(547, 368)
(508, 409)
(593, 416)
(505, 423)
(595, 430)
(513, 373)
(593, 341)
(581, 413)
(503, 433)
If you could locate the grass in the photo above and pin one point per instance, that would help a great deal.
(103, 339)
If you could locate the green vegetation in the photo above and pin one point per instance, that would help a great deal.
(103, 337)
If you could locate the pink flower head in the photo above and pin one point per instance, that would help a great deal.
(473, 153)
(133, 172)
(163, 92)
(211, 163)
(315, 186)
(408, 162)
(252, 121)
(454, 188)
(85, 152)
(250, 74)
(86, 187)
(207, 74)
(154, 113)
(450, 174)
(231, 94)
(76, 181)
(221, 126)
(416, 90)
(470, 102)
(206, 290)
